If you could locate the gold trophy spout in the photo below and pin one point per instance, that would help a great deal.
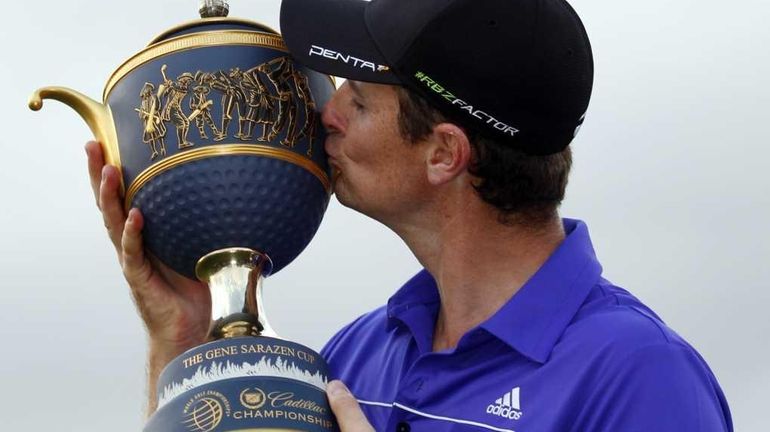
(96, 115)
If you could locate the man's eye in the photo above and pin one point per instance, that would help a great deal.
(358, 105)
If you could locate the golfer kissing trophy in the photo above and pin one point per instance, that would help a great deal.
(217, 137)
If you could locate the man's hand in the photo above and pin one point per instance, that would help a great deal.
(346, 409)
(175, 310)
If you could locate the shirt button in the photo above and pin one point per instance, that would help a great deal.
(403, 427)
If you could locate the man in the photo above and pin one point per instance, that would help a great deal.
(259, 103)
(453, 130)
(154, 128)
(232, 98)
(279, 72)
(201, 104)
(176, 91)
(309, 126)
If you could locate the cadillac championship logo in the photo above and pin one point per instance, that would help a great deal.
(285, 407)
(253, 398)
(205, 411)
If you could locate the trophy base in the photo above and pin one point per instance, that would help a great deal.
(244, 384)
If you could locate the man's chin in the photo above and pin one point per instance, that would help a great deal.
(340, 190)
(341, 194)
(335, 177)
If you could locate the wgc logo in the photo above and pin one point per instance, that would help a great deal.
(205, 411)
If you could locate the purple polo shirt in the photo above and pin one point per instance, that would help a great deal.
(569, 352)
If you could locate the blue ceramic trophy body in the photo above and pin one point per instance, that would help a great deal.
(218, 138)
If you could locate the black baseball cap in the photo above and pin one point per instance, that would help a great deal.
(520, 71)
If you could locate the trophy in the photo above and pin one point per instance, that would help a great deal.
(216, 133)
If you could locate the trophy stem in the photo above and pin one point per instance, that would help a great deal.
(234, 276)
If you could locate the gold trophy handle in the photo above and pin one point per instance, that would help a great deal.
(96, 115)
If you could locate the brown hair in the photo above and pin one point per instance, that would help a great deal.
(526, 189)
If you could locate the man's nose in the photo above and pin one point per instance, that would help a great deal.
(331, 118)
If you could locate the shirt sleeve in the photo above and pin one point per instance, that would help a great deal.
(664, 387)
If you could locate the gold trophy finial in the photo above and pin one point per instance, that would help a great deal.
(213, 8)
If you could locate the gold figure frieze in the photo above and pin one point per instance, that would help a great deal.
(257, 104)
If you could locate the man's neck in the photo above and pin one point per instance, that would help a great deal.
(478, 264)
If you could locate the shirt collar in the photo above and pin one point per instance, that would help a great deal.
(416, 306)
(533, 320)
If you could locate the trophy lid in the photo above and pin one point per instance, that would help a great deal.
(214, 16)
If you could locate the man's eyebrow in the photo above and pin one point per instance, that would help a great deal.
(356, 87)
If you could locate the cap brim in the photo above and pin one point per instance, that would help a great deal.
(330, 36)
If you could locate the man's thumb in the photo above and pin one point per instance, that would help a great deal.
(346, 409)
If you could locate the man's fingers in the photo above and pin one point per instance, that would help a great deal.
(110, 204)
(346, 409)
(136, 267)
(95, 165)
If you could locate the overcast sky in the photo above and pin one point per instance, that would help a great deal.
(670, 175)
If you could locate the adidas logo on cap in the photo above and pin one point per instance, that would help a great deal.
(507, 406)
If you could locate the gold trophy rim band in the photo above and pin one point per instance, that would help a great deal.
(196, 22)
(212, 261)
(220, 150)
(193, 41)
(193, 23)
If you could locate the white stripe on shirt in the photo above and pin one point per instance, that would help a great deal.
(431, 416)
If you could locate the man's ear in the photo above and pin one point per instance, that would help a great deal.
(448, 153)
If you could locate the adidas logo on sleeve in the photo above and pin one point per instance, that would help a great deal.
(507, 406)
